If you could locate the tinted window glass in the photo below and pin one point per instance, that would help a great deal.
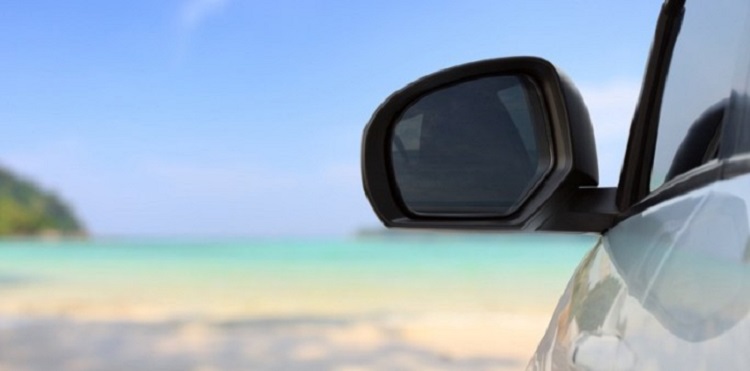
(736, 136)
(470, 148)
(697, 90)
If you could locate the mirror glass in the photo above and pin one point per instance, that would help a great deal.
(473, 148)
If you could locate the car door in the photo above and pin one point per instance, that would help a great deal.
(668, 287)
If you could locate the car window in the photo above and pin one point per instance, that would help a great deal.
(737, 139)
(698, 86)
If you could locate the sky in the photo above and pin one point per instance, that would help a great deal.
(244, 118)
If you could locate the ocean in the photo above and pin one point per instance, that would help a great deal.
(240, 277)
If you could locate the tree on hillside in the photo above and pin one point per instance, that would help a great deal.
(26, 210)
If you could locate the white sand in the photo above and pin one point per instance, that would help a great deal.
(53, 328)
(435, 341)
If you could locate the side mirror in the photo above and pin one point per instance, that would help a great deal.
(496, 144)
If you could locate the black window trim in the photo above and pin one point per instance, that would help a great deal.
(639, 156)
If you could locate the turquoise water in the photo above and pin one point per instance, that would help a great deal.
(245, 277)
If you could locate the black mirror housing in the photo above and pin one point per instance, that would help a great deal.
(565, 179)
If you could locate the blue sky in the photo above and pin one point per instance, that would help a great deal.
(230, 117)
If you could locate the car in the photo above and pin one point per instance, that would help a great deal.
(507, 145)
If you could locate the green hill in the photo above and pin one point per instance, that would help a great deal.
(26, 210)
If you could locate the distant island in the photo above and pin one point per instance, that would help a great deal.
(28, 211)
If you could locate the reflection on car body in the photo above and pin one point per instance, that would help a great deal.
(687, 291)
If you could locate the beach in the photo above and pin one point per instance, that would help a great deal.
(446, 342)
(411, 303)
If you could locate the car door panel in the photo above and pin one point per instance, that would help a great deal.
(665, 289)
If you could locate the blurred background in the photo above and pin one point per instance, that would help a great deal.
(180, 188)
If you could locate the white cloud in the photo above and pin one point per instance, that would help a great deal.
(194, 12)
(235, 181)
(611, 106)
(236, 198)
(219, 181)
(50, 162)
(343, 174)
